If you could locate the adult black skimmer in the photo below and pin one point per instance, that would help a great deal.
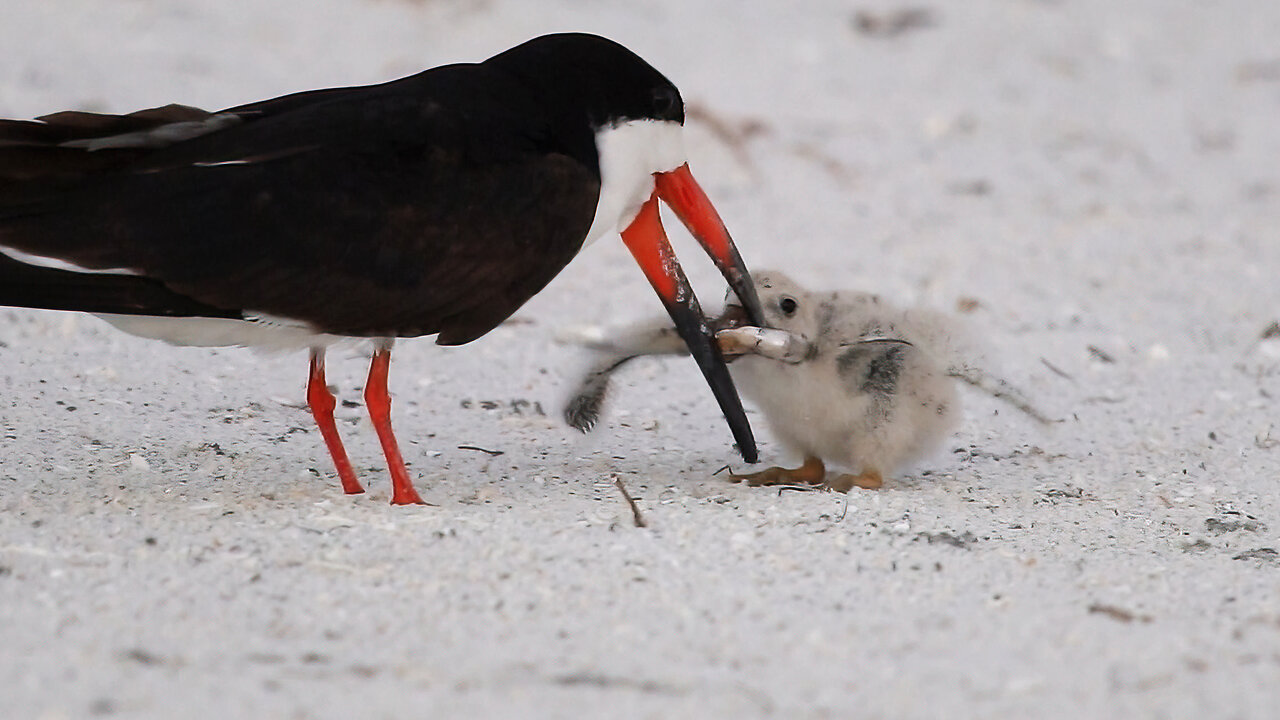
(436, 204)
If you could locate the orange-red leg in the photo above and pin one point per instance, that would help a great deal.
(321, 402)
(378, 401)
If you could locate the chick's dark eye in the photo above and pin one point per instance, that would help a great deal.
(788, 306)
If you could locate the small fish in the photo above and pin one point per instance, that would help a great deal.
(843, 378)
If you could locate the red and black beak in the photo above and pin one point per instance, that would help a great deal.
(648, 243)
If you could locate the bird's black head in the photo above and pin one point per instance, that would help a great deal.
(593, 78)
(599, 103)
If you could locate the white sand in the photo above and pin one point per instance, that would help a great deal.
(173, 542)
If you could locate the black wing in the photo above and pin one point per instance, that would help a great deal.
(24, 285)
(439, 203)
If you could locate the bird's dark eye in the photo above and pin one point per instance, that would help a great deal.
(788, 306)
(666, 104)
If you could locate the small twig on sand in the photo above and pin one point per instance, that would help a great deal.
(1001, 390)
(1056, 370)
(844, 509)
(892, 24)
(635, 509)
(798, 488)
(494, 453)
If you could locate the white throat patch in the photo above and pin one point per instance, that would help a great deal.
(630, 153)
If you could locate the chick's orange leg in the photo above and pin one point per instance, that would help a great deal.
(868, 479)
(811, 472)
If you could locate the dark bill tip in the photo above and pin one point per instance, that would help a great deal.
(647, 241)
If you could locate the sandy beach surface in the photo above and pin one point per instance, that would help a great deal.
(1093, 186)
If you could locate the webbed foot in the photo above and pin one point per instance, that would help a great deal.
(869, 479)
(810, 473)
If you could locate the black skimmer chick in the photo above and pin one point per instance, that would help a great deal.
(843, 378)
(436, 204)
